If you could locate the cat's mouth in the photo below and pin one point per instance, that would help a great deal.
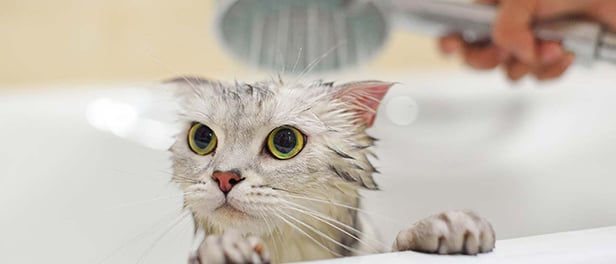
(230, 211)
(228, 216)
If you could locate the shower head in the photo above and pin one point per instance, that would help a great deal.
(293, 36)
(298, 35)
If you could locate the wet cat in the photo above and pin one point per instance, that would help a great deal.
(271, 172)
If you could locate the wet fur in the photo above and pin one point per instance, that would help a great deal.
(279, 198)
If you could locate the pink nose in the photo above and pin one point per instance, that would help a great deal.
(226, 180)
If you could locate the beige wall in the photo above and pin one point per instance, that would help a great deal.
(68, 41)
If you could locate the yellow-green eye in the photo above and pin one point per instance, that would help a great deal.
(285, 142)
(201, 139)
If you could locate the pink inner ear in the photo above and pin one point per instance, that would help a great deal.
(367, 96)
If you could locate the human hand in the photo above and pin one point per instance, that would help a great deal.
(515, 47)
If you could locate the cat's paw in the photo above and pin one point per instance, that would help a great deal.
(231, 247)
(453, 232)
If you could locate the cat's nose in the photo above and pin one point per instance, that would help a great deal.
(226, 179)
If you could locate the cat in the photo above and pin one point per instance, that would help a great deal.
(271, 172)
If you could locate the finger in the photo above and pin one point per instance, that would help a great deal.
(230, 244)
(260, 248)
(244, 248)
(555, 70)
(482, 57)
(550, 52)
(517, 69)
(512, 29)
(604, 11)
(211, 250)
(451, 44)
(556, 8)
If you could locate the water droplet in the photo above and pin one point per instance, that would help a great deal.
(402, 110)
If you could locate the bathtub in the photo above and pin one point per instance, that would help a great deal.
(85, 178)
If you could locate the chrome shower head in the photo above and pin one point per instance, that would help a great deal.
(324, 35)
(296, 35)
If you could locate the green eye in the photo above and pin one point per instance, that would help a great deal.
(201, 139)
(285, 142)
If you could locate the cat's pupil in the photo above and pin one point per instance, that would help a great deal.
(203, 137)
(285, 140)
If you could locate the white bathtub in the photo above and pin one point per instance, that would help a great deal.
(81, 182)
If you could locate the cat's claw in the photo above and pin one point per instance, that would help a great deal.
(453, 232)
(231, 247)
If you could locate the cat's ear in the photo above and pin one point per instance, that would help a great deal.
(366, 96)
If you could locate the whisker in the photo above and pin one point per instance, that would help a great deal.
(136, 238)
(330, 202)
(99, 211)
(299, 56)
(324, 201)
(340, 227)
(276, 233)
(160, 237)
(144, 202)
(175, 177)
(323, 235)
(273, 234)
(308, 235)
(150, 56)
(316, 61)
(187, 181)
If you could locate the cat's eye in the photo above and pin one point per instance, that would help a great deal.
(285, 142)
(202, 139)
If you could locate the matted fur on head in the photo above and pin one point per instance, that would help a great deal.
(332, 165)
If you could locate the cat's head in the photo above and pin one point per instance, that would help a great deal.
(248, 153)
